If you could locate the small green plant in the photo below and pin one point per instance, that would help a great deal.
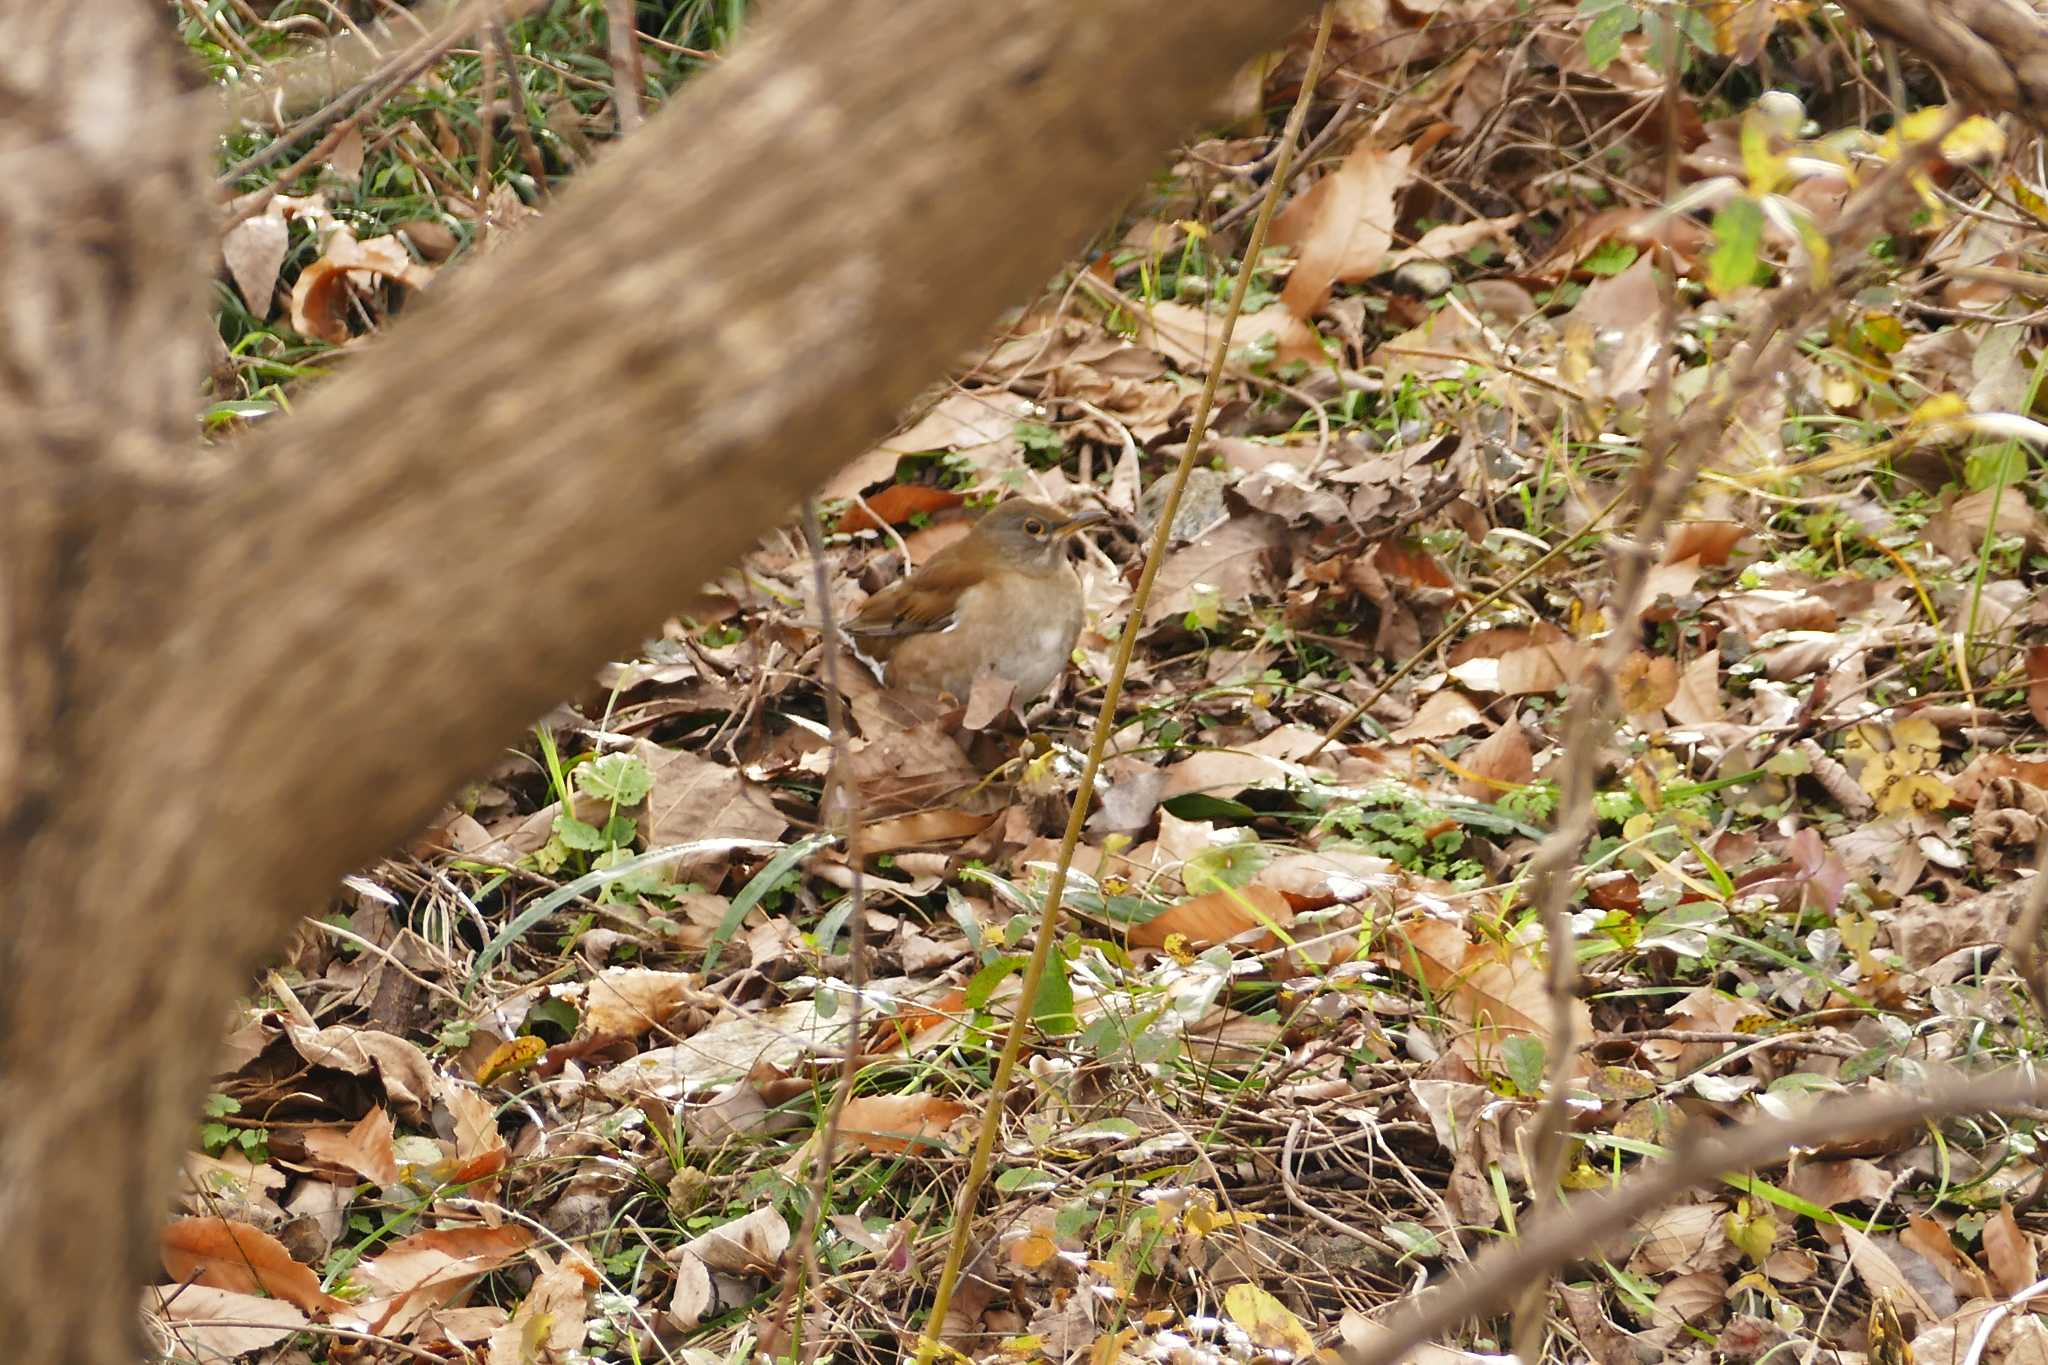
(219, 1138)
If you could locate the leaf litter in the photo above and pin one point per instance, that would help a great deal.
(551, 1088)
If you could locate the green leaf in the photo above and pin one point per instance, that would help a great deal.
(1523, 1057)
(1198, 806)
(620, 779)
(762, 883)
(981, 987)
(1604, 34)
(1609, 258)
(576, 834)
(1738, 242)
(1025, 1178)
(1053, 1010)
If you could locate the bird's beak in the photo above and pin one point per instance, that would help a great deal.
(1080, 521)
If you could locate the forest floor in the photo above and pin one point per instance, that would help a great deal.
(548, 1085)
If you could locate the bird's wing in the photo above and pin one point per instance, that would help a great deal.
(927, 601)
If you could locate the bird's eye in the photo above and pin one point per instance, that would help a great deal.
(1034, 527)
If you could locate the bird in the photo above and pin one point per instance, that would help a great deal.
(1001, 600)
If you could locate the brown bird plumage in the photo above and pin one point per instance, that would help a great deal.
(1002, 599)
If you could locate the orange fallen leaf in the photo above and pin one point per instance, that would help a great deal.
(364, 1148)
(898, 1123)
(243, 1259)
(896, 504)
(1216, 916)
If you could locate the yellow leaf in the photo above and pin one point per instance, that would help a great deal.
(1033, 1252)
(512, 1056)
(1266, 1321)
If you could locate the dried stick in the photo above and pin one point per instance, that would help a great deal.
(622, 42)
(842, 802)
(2025, 941)
(1105, 720)
(1498, 1273)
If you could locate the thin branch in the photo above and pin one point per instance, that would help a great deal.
(1498, 1273)
(1105, 720)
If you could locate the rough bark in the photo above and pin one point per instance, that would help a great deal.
(1993, 52)
(223, 687)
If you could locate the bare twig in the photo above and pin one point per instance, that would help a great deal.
(622, 41)
(1498, 1274)
(843, 801)
(2025, 941)
(1105, 721)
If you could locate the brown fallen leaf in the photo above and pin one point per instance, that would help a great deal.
(1498, 764)
(2037, 684)
(364, 1148)
(1648, 682)
(898, 1123)
(220, 1324)
(2014, 1260)
(241, 1259)
(1342, 227)
(430, 1268)
(1217, 916)
(695, 799)
(549, 1324)
(627, 1002)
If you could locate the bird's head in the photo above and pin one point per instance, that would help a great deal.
(1030, 535)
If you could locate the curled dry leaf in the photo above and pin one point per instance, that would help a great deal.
(549, 1323)
(627, 1002)
(321, 295)
(898, 1123)
(430, 1268)
(242, 1259)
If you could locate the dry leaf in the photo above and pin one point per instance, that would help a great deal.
(1217, 917)
(1342, 227)
(1497, 765)
(2010, 1253)
(254, 250)
(240, 1258)
(1267, 1322)
(898, 1123)
(627, 1002)
(896, 504)
(219, 1324)
(549, 1323)
(695, 799)
(364, 1148)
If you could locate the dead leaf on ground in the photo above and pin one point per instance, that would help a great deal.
(694, 799)
(364, 1148)
(627, 1002)
(1217, 917)
(1499, 764)
(1342, 227)
(1495, 989)
(896, 504)
(548, 1325)
(242, 1259)
(219, 1324)
(899, 1123)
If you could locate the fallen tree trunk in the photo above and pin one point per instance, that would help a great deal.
(225, 687)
